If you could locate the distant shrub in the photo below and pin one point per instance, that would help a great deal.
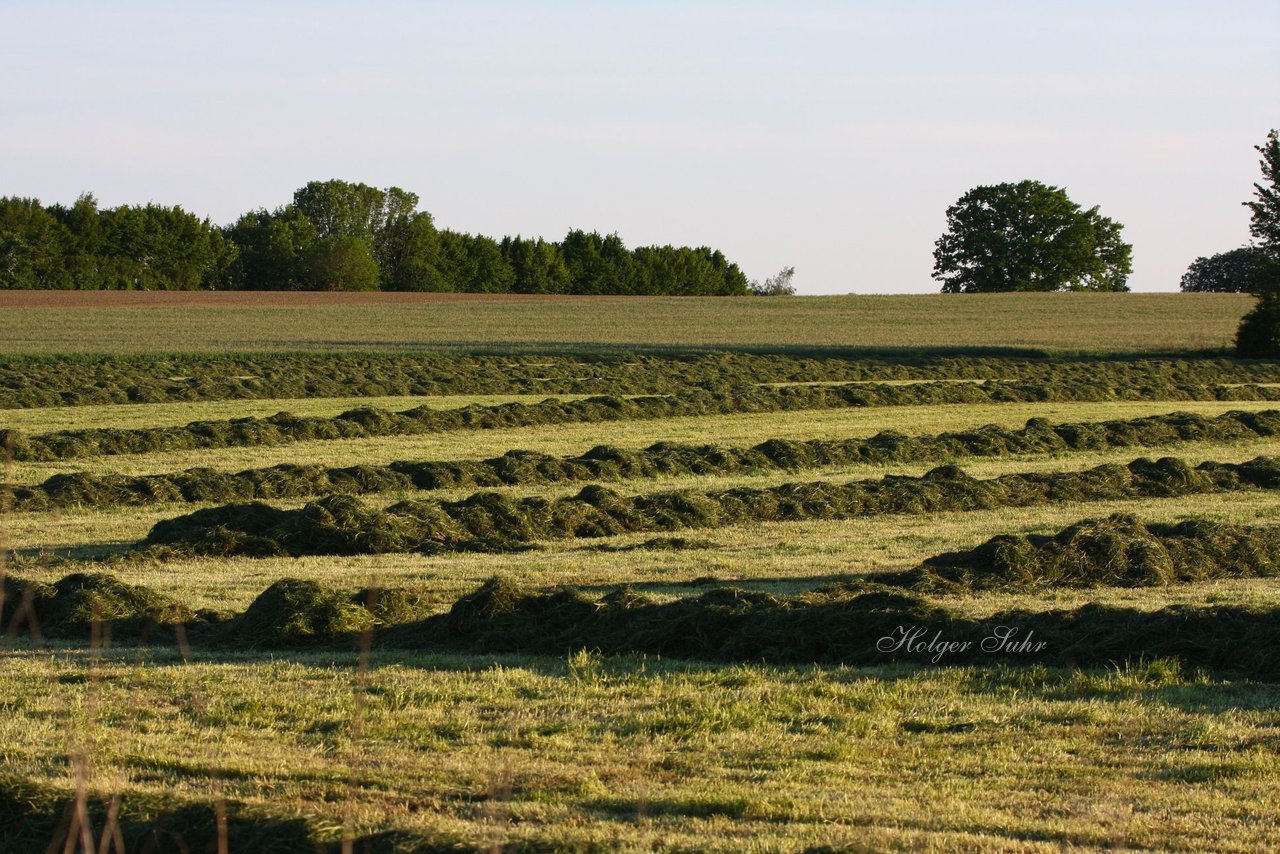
(777, 285)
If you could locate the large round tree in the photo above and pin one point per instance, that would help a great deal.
(1029, 236)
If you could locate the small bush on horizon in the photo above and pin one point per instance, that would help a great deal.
(777, 285)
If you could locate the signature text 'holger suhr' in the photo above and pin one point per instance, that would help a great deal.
(917, 641)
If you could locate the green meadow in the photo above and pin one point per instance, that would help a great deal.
(640, 631)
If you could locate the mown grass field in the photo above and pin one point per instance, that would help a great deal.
(154, 322)
(432, 732)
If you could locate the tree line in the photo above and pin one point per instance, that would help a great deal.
(334, 235)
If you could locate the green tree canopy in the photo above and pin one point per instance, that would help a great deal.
(345, 209)
(342, 264)
(1029, 237)
(538, 264)
(1265, 221)
(332, 235)
(144, 247)
(32, 242)
(777, 285)
(1236, 271)
(275, 250)
(411, 255)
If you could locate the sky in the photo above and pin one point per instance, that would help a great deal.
(826, 136)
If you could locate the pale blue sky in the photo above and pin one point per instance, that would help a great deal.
(829, 136)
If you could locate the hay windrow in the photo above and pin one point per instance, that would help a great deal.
(856, 623)
(848, 624)
(295, 629)
(283, 427)
(295, 612)
(1118, 551)
(664, 459)
(340, 524)
(76, 381)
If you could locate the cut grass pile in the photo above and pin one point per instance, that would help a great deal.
(343, 525)
(1118, 551)
(72, 606)
(605, 463)
(76, 382)
(284, 427)
(288, 613)
(295, 611)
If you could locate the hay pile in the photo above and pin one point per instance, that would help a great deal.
(843, 623)
(296, 612)
(1117, 551)
(70, 607)
(659, 544)
(293, 611)
(340, 524)
(724, 624)
(605, 463)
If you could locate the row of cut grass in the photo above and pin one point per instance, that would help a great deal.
(75, 382)
(285, 428)
(665, 459)
(575, 439)
(486, 521)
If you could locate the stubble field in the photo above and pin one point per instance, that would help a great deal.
(427, 609)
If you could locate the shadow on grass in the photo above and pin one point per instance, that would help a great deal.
(36, 555)
(777, 584)
(34, 818)
(905, 355)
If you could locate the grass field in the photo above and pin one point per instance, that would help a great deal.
(155, 322)
(455, 746)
